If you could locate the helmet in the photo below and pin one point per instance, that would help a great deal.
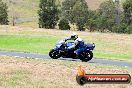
(74, 36)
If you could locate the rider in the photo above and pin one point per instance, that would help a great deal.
(78, 42)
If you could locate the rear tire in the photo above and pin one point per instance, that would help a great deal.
(86, 56)
(54, 54)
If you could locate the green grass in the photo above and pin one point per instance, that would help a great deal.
(113, 56)
(39, 44)
(42, 42)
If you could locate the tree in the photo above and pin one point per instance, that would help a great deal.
(48, 14)
(120, 29)
(129, 29)
(127, 6)
(123, 28)
(76, 11)
(3, 13)
(64, 24)
(91, 23)
(106, 17)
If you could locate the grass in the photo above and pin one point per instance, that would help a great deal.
(22, 9)
(109, 45)
(28, 24)
(40, 44)
(46, 73)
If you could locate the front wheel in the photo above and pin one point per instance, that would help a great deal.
(86, 56)
(54, 54)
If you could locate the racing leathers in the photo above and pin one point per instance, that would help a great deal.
(79, 43)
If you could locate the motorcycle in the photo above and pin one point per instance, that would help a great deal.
(60, 50)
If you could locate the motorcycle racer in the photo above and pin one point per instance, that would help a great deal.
(78, 42)
(75, 50)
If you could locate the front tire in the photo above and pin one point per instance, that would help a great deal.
(86, 56)
(54, 54)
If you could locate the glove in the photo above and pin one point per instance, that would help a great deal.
(65, 40)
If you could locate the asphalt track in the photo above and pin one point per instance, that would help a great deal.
(45, 56)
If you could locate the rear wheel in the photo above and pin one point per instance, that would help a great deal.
(54, 54)
(86, 56)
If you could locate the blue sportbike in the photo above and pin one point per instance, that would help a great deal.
(60, 50)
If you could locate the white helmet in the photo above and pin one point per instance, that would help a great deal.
(74, 36)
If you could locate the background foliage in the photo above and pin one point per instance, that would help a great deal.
(3, 13)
